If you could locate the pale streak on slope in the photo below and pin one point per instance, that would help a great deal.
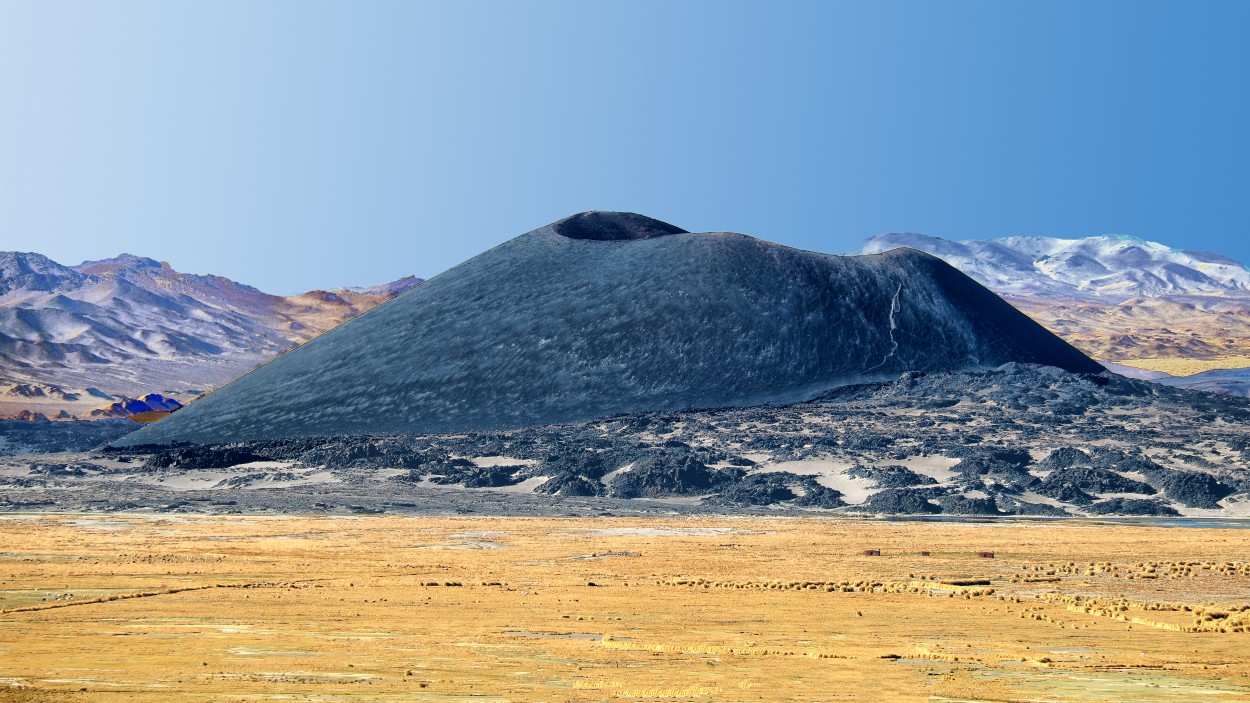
(893, 327)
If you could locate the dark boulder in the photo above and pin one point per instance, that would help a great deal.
(1193, 489)
(1092, 480)
(1005, 462)
(895, 501)
(1063, 458)
(963, 505)
(757, 489)
(1066, 492)
(665, 474)
(892, 476)
(816, 495)
(570, 484)
(492, 476)
(1132, 506)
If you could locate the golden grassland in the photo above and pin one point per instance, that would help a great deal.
(1188, 367)
(145, 608)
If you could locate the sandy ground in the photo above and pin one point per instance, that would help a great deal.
(160, 608)
(831, 474)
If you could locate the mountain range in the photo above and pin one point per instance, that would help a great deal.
(1174, 316)
(1106, 269)
(77, 338)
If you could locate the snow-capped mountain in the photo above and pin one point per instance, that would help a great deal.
(1106, 268)
(130, 325)
(1121, 300)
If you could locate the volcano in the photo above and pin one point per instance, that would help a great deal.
(604, 313)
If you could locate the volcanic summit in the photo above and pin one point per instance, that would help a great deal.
(604, 313)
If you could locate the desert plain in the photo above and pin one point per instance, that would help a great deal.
(238, 608)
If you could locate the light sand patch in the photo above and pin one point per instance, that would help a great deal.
(807, 467)
(526, 486)
(489, 461)
(194, 480)
(937, 468)
(308, 479)
(1233, 506)
(830, 474)
(1125, 496)
(1031, 497)
(673, 500)
(115, 464)
(607, 478)
(204, 479)
(265, 465)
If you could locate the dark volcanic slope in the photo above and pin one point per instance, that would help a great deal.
(604, 313)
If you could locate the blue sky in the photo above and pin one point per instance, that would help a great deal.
(296, 145)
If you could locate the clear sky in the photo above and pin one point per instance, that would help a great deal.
(298, 145)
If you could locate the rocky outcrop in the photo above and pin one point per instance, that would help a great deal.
(1092, 480)
(127, 407)
(894, 501)
(1132, 506)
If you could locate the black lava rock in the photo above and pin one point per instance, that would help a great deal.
(892, 476)
(1194, 489)
(895, 501)
(1065, 492)
(1094, 480)
(665, 474)
(757, 489)
(1063, 458)
(196, 457)
(571, 485)
(1128, 506)
(962, 505)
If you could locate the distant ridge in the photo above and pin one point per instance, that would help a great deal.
(1108, 268)
(603, 313)
(1122, 300)
(132, 325)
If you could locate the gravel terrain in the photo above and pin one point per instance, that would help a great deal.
(1014, 441)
